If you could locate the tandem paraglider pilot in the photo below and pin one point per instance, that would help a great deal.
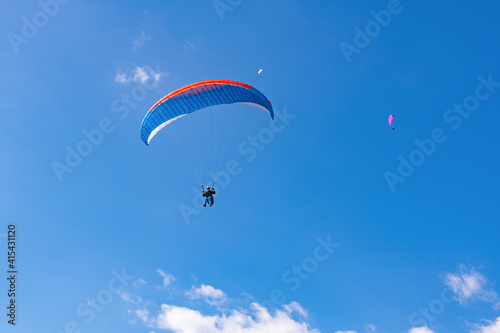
(208, 194)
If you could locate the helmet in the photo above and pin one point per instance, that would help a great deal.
(208, 187)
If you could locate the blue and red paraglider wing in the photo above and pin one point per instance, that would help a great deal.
(198, 96)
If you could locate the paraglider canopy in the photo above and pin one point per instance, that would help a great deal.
(391, 118)
(260, 72)
(198, 96)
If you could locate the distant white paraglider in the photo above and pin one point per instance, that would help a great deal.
(260, 72)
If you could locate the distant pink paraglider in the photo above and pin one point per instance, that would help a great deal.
(391, 118)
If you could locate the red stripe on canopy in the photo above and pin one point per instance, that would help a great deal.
(199, 84)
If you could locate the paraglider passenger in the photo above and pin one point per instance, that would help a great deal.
(208, 194)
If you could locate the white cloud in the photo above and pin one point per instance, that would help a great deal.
(191, 45)
(146, 15)
(493, 327)
(468, 284)
(124, 296)
(208, 293)
(295, 307)
(420, 330)
(231, 318)
(167, 278)
(142, 314)
(140, 75)
(139, 283)
(140, 41)
(370, 328)
(185, 320)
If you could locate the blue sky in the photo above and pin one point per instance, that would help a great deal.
(339, 224)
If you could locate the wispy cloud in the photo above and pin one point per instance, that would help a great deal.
(139, 283)
(140, 75)
(140, 41)
(132, 298)
(142, 314)
(295, 307)
(207, 293)
(167, 278)
(370, 328)
(470, 285)
(492, 327)
(125, 296)
(191, 45)
(146, 15)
